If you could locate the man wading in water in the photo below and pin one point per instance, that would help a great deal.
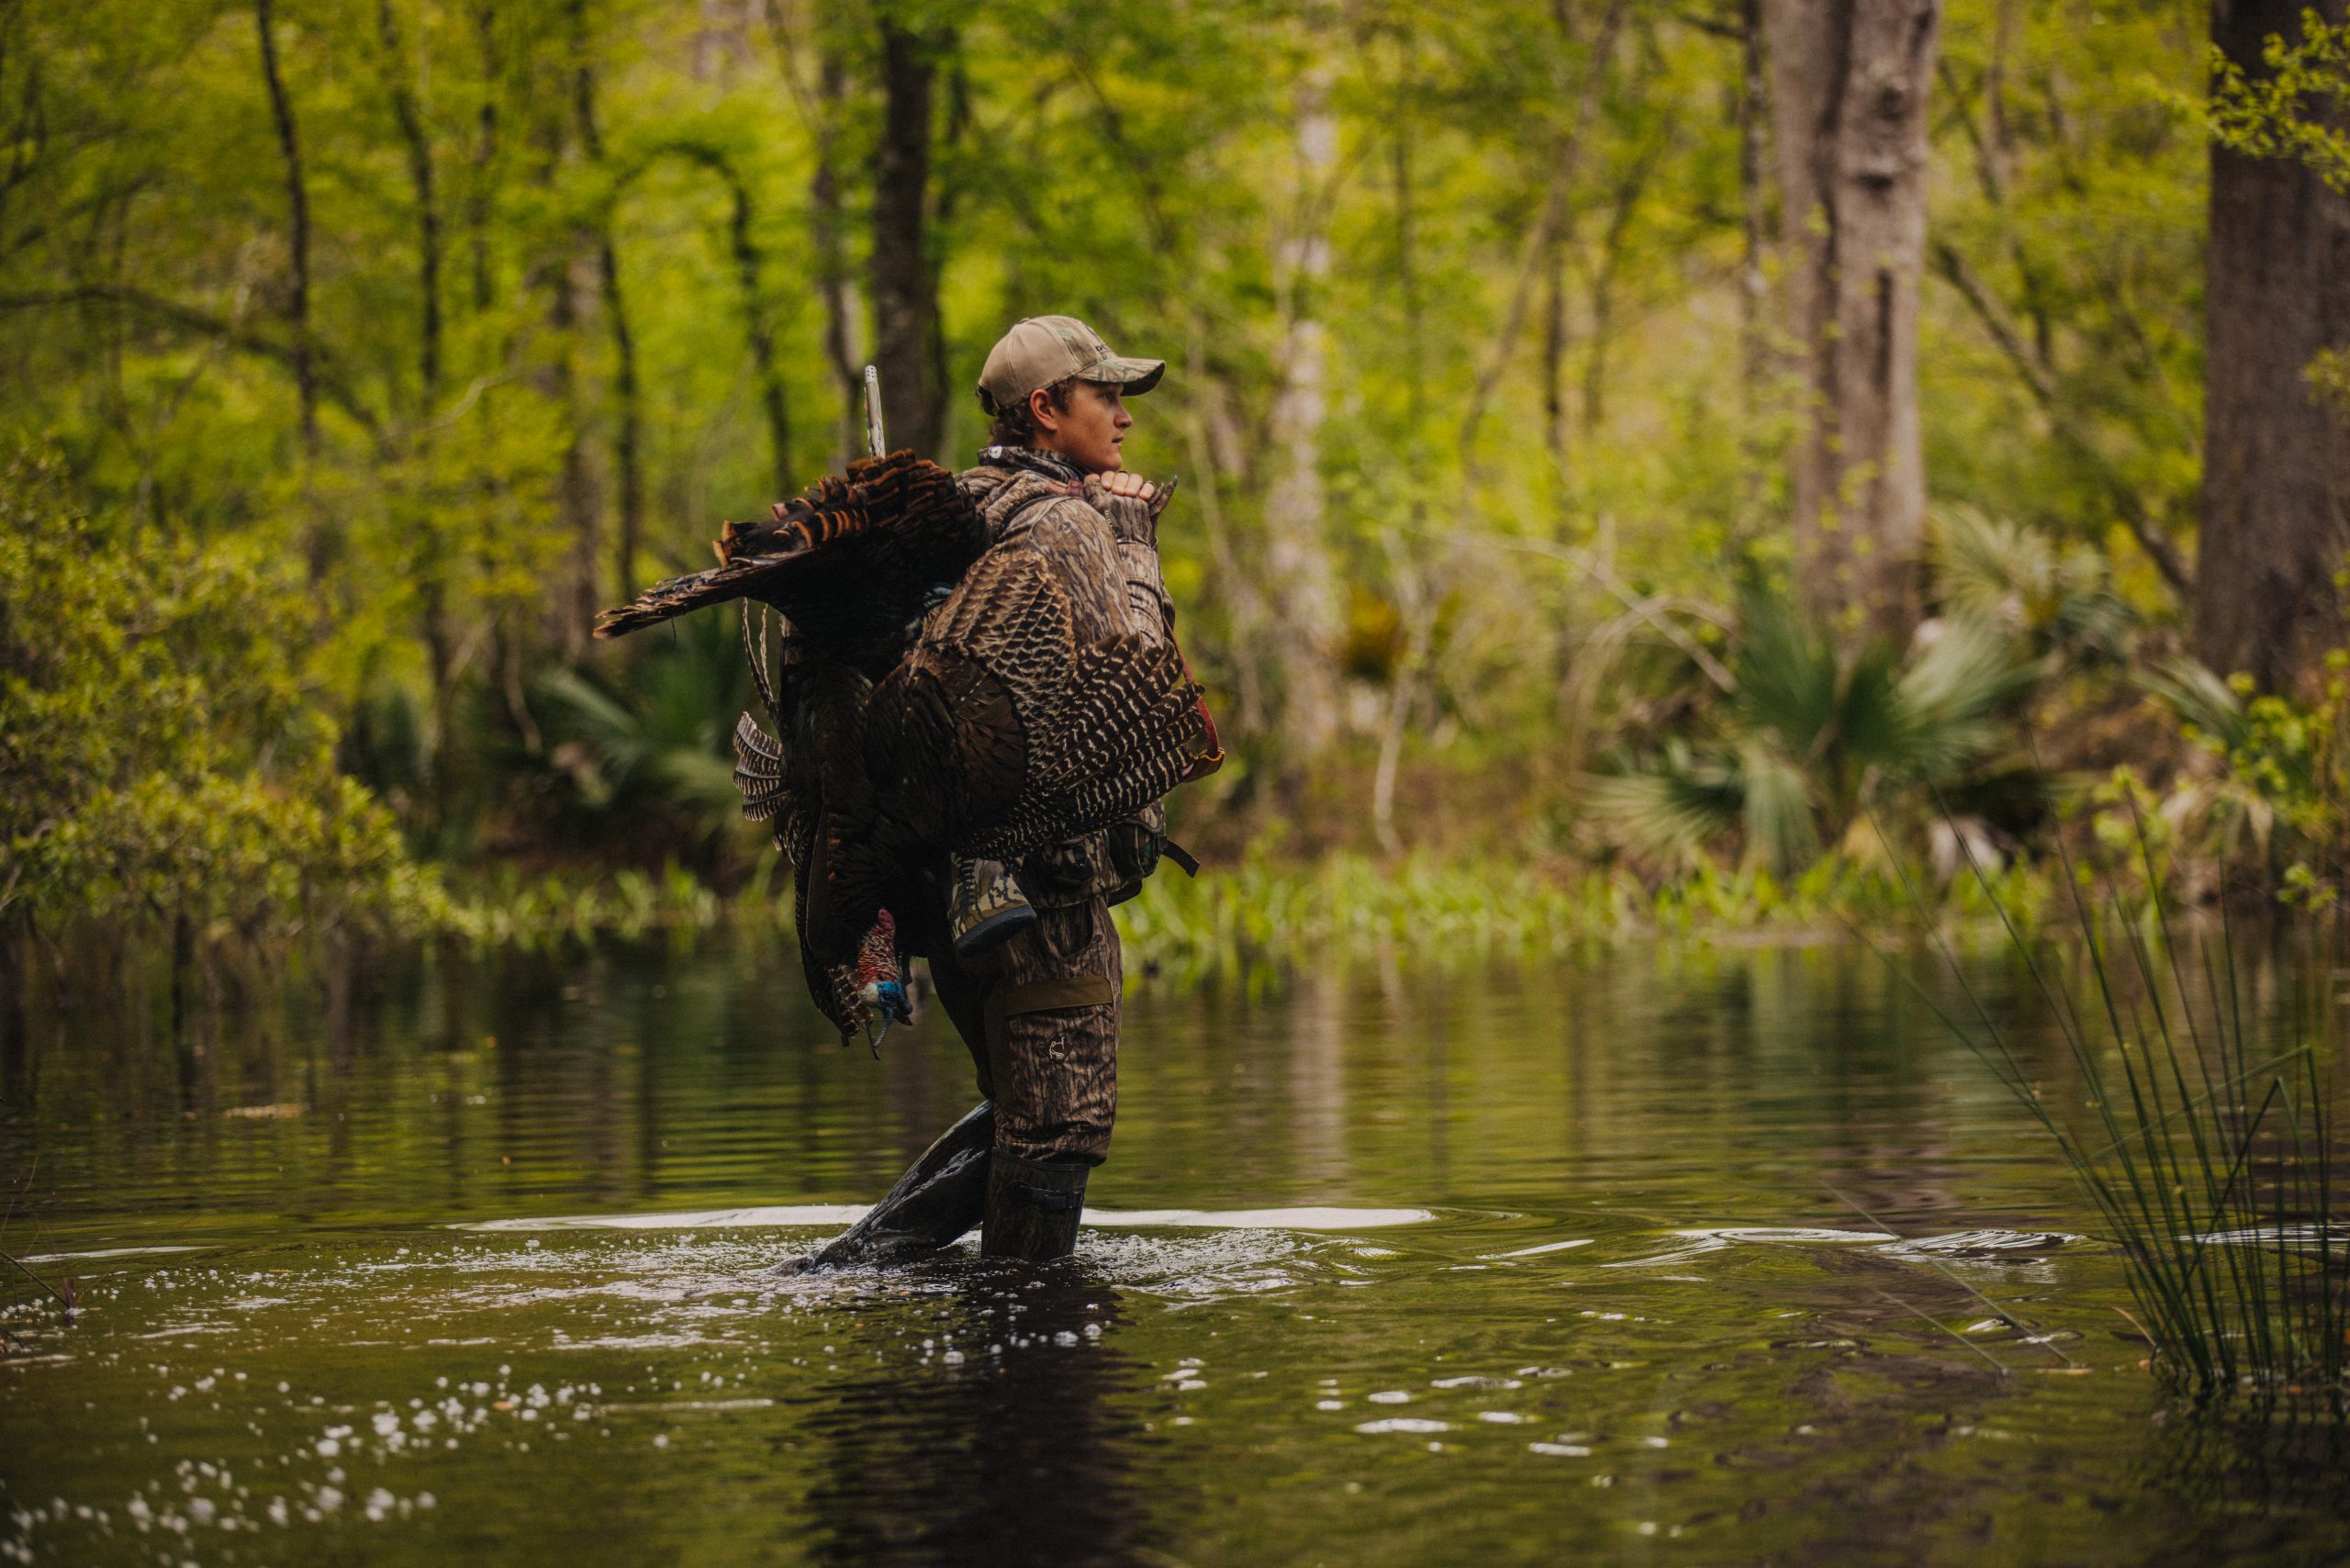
(1031, 974)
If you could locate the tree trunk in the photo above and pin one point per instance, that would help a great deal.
(580, 489)
(758, 324)
(628, 444)
(1554, 352)
(1626, 201)
(1847, 112)
(415, 140)
(572, 274)
(298, 194)
(844, 310)
(823, 94)
(1753, 284)
(477, 201)
(905, 297)
(1299, 572)
(2275, 507)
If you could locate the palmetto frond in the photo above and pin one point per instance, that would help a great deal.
(1948, 701)
(2200, 698)
(1674, 808)
(1781, 830)
(658, 742)
(1808, 738)
(2016, 576)
(1787, 676)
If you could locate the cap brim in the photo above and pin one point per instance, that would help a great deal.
(1137, 375)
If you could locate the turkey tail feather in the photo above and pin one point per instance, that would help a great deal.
(677, 595)
(759, 771)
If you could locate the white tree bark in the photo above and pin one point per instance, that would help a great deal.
(1303, 589)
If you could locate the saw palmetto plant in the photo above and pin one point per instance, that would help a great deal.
(1808, 740)
(654, 745)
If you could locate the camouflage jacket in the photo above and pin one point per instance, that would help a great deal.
(1111, 543)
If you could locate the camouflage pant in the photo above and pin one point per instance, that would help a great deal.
(1040, 1016)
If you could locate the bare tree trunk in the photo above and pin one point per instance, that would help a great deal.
(413, 137)
(758, 323)
(1303, 582)
(2276, 511)
(477, 202)
(1407, 281)
(1238, 590)
(561, 131)
(430, 566)
(1626, 201)
(579, 491)
(1418, 602)
(844, 307)
(1554, 352)
(628, 444)
(1550, 228)
(1753, 284)
(297, 197)
(823, 96)
(1848, 109)
(905, 297)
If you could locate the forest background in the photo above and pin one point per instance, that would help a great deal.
(1725, 460)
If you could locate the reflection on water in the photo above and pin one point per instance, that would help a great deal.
(1674, 1256)
(1038, 1460)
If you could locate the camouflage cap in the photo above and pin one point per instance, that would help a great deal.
(1043, 349)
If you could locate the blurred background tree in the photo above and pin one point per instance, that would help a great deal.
(1514, 348)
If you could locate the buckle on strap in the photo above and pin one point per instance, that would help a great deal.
(1048, 1200)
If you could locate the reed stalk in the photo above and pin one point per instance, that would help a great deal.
(2212, 1172)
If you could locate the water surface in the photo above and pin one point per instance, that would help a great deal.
(1666, 1254)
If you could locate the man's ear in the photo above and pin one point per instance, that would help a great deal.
(1041, 410)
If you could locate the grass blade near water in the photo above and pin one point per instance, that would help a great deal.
(2210, 1170)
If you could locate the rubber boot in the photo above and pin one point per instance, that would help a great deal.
(984, 905)
(940, 1197)
(1033, 1207)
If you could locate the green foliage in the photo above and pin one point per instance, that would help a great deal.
(2065, 248)
(651, 750)
(1264, 914)
(161, 756)
(1812, 739)
(2284, 113)
(505, 909)
(2057, 595)
(2274, 795)
(572, 270)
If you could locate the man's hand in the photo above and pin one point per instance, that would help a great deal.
(1128, 499)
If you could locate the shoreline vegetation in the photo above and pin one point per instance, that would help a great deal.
(1261, 915)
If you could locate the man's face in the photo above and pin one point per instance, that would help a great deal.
(1088, 432)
